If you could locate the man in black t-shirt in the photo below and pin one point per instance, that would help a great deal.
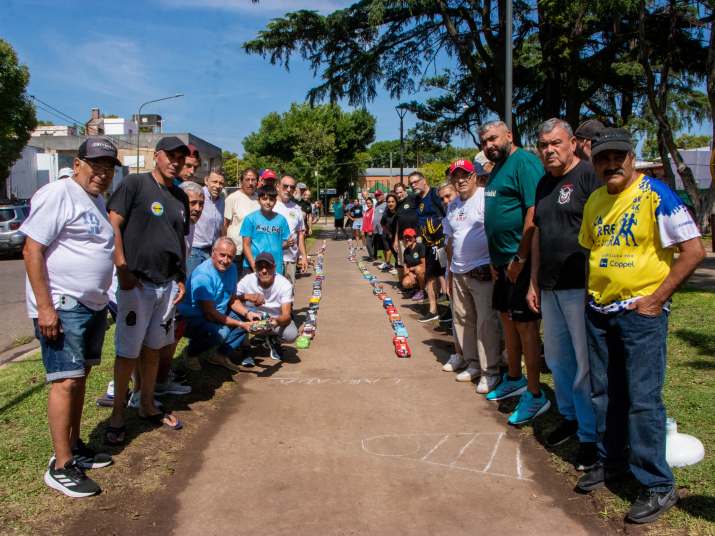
(406, 215)
(558, 280)
(414, 254)
(150, 219)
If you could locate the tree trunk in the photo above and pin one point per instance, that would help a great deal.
(669, 177)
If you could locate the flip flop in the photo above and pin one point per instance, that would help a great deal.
(119, 433)
(158, 420)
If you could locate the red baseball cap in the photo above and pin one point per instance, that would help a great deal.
(409, 232)
(378, 193)
(268, 174)
(466, 165)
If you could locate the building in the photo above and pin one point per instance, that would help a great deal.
(383, 179)
(55, 130)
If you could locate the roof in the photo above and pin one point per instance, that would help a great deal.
(387, 172)
(147, 140)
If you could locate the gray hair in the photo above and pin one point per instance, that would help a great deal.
(550, 124)
(416, 174)
(223, 240)
(190, 187)
(445, 184)
(491, 124)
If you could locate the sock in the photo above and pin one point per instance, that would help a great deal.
(512, 379)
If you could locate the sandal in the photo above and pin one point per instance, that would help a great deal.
(159, 419)
(115, 435)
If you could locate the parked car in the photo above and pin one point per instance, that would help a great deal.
(11, 217)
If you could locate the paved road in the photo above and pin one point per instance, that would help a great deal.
(13, 315)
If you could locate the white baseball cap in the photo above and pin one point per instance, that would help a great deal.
(65, 172)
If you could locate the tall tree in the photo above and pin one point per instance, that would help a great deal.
(17, 114)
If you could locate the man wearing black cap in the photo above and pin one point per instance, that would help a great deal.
(68, 255)
(632, 227)
(150, 219)
(585, 133)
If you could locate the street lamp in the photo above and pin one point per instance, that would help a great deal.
(401, 111)
(139, 113)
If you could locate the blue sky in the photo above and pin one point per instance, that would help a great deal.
(116, 55)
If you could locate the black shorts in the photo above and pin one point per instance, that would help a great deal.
(510, 297)
(339, 223)
(432, 266)
(378, 243)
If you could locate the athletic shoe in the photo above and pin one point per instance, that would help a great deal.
(468, 375)
(418, 296)
(454, 364)
(598, 476)
(587, 456)
(507, 388)
(171, 387)
(87, 458)
(274, 348)
(71, 480)
(487, 383)
(393, 271)
(384, 267)
(563, 432)
(134, 401)
(651, 504)
(528, 408)
(223, 361)
(428, 317)
(446, 317)
(248, 362)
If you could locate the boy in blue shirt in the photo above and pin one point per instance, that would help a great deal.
(265, 230)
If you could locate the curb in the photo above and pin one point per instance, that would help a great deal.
(19, 352)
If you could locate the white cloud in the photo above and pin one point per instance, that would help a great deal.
(263, 6)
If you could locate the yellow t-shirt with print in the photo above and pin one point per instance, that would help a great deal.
(631, 237)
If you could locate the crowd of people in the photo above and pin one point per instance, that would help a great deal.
(570, 239)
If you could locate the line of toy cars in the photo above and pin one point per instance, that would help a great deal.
(309, 328)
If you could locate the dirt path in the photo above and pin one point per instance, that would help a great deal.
(348, 439)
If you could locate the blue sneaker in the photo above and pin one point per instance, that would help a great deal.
(507, 388)
(529, 408)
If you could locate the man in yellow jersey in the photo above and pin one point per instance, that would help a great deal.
(632, 226)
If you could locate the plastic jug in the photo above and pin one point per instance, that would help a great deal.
(681, 449)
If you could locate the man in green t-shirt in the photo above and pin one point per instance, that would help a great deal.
(508, 220)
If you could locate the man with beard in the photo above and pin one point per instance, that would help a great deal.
(509, 214)
(210, 225)
(585, 133)
(632, 227)
(237, 206)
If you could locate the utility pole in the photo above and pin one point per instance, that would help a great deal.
(508, 15)
(401, 112)
(139, 113)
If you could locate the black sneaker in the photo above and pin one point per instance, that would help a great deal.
(650, 505)
(274, 348)
(563, 432)
(598, 476)
(87, 458)
(428, 317)
(587, 456)
(71, 480)
(446, 317)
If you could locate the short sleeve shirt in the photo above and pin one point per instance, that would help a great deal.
(429, 216)
(414, 254)
(464, 224)
(79, 240)
(296, 224)
(509, 193)
(558, 213)
(155, 227)
(631, 236)
(210, 224)
(277, 295)
(338, 210)
(407, 214)
(237, 206)
(356, 211)
(206, 283)
(266, 234)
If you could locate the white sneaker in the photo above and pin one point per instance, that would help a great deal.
(454, 364)
(468, 375)
(486, 384)
(393, 271)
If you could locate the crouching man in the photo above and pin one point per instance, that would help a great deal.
(214, 317)
(268, 293)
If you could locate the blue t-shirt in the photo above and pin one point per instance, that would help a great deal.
(266, 235)
(206, 283)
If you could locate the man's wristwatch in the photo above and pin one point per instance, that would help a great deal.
(520, 260)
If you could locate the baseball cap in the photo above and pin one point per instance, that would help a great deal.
(481, 160)
(193, 151)
(268, 174)
(265, 257)
(466, 165)
(172, 143)
(65, 172)
(589, 129)
(378, 193)
(301, 186)
(409, 232)
(98, 147)
(611, 139)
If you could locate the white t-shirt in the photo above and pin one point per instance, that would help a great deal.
(236, 207)
(464, 224)
(294, 214)
(74, 227)
(279, 293)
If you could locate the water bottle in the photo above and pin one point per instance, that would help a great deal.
(681, 449)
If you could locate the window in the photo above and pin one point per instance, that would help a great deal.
(7, 214)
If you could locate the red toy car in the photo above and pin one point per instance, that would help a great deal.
(391, 310)
(394, 316)
(402, 349)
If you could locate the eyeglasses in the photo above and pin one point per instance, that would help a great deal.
(463, 178)
(99, 168)
(289, 186)
(415, 183)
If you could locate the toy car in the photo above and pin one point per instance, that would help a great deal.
(402, 349)
(387, 302)
(391, 309)
(381, 296)
(317, 293)
(400, 331)
(314, 299)
(395, 317)
(309, 330)
(261, 326)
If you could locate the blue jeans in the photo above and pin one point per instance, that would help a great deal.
(196, 257)
(627, 353)
(79, 345)
(566, 352)
(204, 335)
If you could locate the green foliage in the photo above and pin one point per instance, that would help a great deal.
(17, 114)
(417, 152)
(308, 138)
(232, 167)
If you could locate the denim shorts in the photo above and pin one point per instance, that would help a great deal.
(78, 346)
